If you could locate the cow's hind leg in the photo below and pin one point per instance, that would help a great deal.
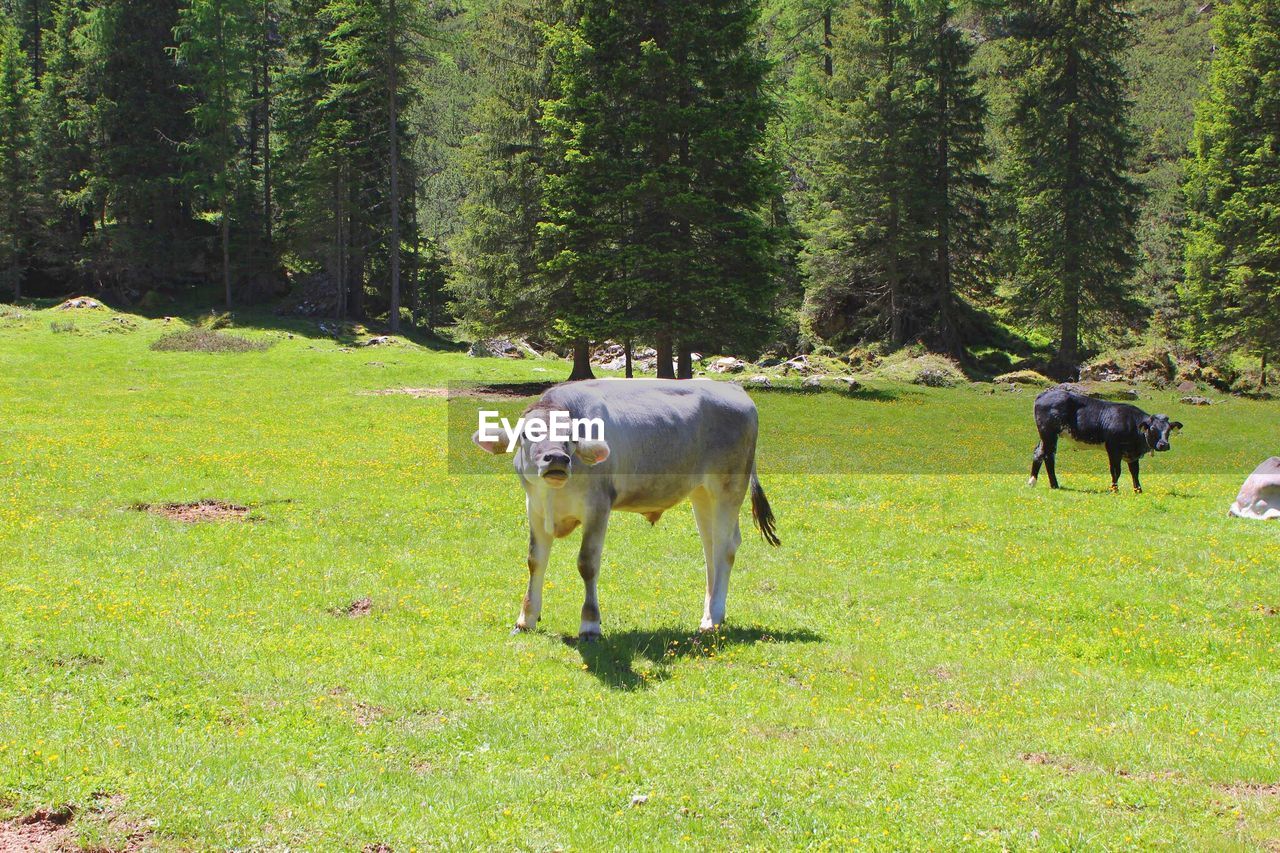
(1036, 459)
(540, 542)
(1046, 452)
(594, 527)
(720, 513)
(704, 513)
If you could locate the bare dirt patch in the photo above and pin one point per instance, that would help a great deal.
(410, 392)
(356, 609)
(38, 832)
(193, 512)
(365, 714)
(1071, 766)
(942, 672)
(1066, 765)
(498, 391)
(1246, 790)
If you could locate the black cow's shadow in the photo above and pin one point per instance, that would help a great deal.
(613, 658)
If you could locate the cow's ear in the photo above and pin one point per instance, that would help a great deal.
(489, 445)
(1145, 424)
(1175, 426)
(592, 452)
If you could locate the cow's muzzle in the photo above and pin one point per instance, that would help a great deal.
(1162, 445)
(555, 477)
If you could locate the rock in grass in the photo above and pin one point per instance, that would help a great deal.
(1025, 377)
(80, 302)
(760, 381)
(1259, 497)
(933, 378)
(813, 383)
(1196, 401)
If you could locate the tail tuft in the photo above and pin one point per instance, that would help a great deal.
(762, 513)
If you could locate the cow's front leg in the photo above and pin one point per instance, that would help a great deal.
(539, 552)
(704, 513)
(1133, 473)
(1113, 457)
(594, 527)
(728, 538)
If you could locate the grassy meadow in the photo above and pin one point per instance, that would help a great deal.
(936, 657)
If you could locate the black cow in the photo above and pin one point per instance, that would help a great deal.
(1126, 431)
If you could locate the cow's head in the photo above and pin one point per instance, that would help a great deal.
(547, 460)
(1156, 429)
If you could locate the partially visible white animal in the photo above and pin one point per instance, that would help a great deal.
(1260, 495)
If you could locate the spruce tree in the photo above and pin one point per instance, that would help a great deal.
(655, 199)
(61, 152)
(955, 183)
(15, 141)
(215, 45)
(1232, 283)
(140, 116)
(496, 284)
(899, 232)
(1070, 147)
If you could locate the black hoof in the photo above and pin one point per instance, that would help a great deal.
(588, 637)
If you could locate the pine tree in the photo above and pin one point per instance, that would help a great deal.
(15, 141)
(957, 188)
(1232, 283)
(654, 204)
(61, 152)
(496, 284)
(215, 45)
(1070, 147)
(140, 116)
(857, 244)
(341, 97)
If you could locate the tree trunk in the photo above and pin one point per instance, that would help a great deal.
(37, 58)
(355, 273)
(663, 346)
(1263, 382)
(266, 123)
(684, 364)
(392, 123)
(946, 305)
(581, 361)
(226, 247)
(1068, 359)
(338, 272)
(626, 357)
(826, 42)
(897, 309)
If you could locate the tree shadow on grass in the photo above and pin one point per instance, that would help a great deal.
(864, 394)
(637, 660)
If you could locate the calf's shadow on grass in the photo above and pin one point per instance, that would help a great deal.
(613, 658)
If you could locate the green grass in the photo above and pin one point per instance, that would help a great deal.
(936, 656)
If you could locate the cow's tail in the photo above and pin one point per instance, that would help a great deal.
(762, 513)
